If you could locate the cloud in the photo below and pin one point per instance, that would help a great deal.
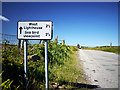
(3, 18)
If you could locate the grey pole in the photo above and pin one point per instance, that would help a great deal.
(25, 62)
(46, 65)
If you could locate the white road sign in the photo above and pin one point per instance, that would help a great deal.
(33, 30)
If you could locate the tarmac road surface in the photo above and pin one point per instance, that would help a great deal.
(101, 68)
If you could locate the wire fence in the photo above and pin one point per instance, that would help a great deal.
(12, 40)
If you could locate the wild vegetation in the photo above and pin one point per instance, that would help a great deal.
(114, 49)
(63, 68)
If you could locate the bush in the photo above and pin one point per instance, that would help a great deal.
(12, 61)
(74, 48)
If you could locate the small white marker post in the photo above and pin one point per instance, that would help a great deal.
(25, 62)
(46, 65)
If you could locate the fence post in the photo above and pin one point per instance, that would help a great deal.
(56, 38)
(40, 41)
(19, 42)
(22, 44)
(63, 42)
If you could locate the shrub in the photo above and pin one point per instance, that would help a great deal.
(74, 48)
(12, 61)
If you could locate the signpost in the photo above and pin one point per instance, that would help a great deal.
(46, 64)
(25, 62)
(35, 30)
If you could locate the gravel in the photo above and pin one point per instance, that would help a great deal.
(101, 68)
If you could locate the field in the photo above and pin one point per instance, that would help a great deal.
(114, 49)
(63, 67)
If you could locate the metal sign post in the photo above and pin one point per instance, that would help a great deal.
(25, 62)
(35, 30)
(46, 65)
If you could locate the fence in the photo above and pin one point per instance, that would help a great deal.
(12, 40)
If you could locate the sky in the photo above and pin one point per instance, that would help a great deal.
(85, 23)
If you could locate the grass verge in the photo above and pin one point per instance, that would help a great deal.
(113, 49)
(70, 73)
(63, 66)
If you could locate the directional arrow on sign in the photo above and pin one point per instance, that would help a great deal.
(20, 30)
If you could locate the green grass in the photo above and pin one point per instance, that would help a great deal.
(63, 65)
(74, 48)
(113, 49)
(70, 72)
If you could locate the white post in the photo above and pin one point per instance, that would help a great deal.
(25, 62)
(46, 65)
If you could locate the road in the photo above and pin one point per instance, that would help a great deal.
(101, 68)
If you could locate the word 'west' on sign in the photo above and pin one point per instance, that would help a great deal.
(33, 30)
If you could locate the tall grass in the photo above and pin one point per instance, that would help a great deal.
(62, 65)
